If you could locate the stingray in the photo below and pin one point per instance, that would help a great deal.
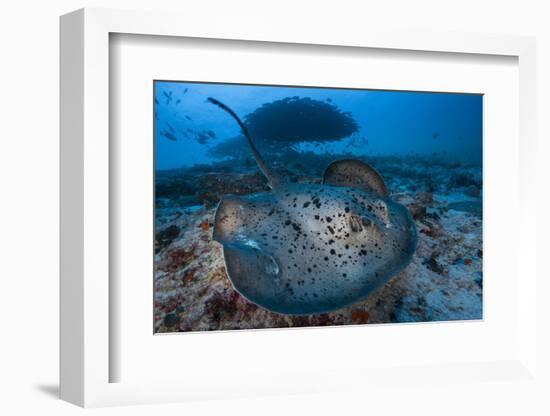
(311, 248)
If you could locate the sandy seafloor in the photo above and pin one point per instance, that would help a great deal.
(442, 283)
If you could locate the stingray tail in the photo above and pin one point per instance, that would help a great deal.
(272, 180)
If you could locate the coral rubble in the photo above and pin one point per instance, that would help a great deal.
(443, 282)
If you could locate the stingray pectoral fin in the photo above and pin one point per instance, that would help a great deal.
(253, 272)
(229, 218)
(355, 174)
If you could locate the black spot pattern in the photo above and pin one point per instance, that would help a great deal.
(330, 246)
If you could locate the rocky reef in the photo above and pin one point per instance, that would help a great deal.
(443, 282)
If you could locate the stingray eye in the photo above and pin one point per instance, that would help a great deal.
(356, 223)
(366, 222)
(382, 212)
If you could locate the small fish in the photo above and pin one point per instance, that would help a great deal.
(329, 100)
(168, 135)
(185, 91)
(211, 134)
(184, 133)
(171, 128)
(178, 101)
(156, 101)
(435, 135)
(188, 118)
(168, 96)
(202, 138)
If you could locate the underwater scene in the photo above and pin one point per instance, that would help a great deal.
(283, 206)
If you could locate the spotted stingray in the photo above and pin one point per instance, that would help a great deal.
(312, 248)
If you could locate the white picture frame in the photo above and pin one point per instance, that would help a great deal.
(86, 356)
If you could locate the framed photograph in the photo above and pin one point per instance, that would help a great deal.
(300, 207)
(305, 212)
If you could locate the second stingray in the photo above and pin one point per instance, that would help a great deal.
(312, 248)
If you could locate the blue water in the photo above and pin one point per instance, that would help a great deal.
(187, 127)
